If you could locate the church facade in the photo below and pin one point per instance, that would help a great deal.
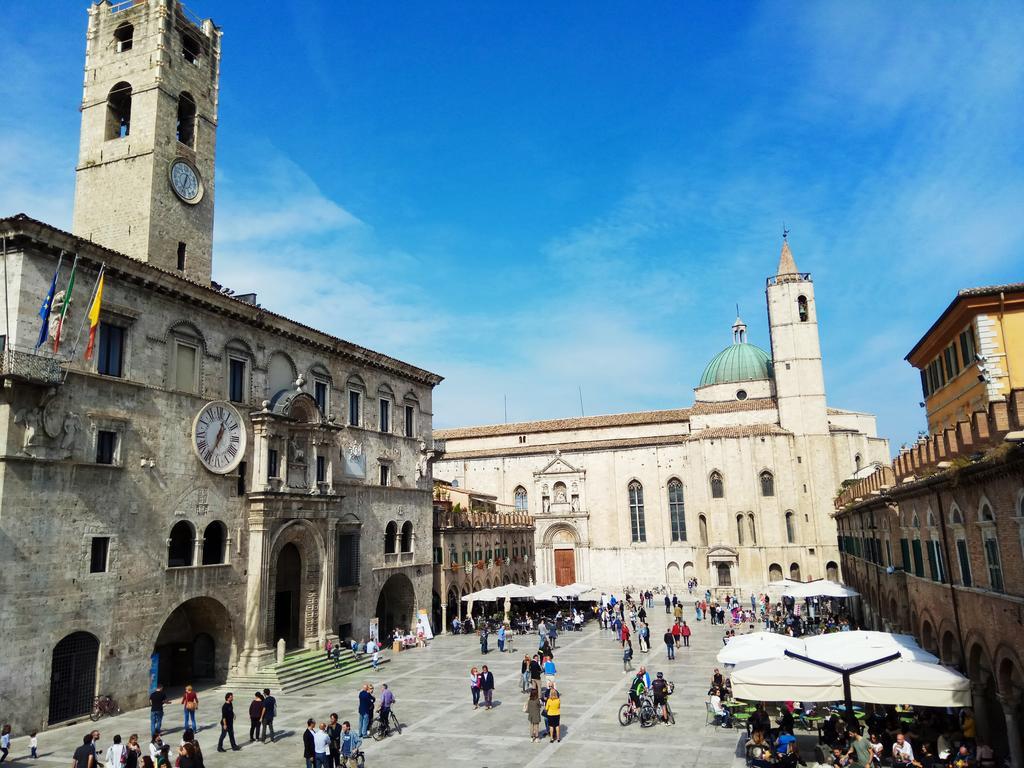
(736, 491)
(211, 477)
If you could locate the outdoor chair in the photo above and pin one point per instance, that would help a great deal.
(712, 718)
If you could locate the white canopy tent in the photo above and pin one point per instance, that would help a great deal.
(819, 588)
(483, 596)
(758, 646)
(838, 648)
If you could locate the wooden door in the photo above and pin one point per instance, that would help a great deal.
(565, 567)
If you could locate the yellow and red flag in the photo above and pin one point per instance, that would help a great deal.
(94, 317)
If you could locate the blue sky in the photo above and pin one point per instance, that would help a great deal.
(531, 197)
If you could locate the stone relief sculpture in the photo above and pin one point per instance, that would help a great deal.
(50, 432)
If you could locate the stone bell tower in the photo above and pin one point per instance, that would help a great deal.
(144, 183)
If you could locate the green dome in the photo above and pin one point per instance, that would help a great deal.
(737, 362)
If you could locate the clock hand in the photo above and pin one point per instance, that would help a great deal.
(220, 434)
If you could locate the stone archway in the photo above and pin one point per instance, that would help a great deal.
(294, 584)
(196, 642)
(562, 541)
(672, 573)
(73, 676)
(396, 604)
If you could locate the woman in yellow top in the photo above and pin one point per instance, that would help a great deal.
(553, 708)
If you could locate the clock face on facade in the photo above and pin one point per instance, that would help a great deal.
(185, 182)
(218, 437)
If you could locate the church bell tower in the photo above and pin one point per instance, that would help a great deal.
(796, 349)
(144, 184)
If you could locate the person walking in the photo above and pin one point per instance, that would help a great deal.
(156, 709)
(549, 670)
(227, 723)
(501, 639)
(536, 670)
(269, 713)
(366, 700)
(627, 657)
(483, 641)
(487, 685)
(5, 742)
(668, 604)
(670, 644)
(524, 673)
(255, 716)
(532, 710)
(474, 686)
(554, 710)
(190, 703)
(685, 632)
(387, 699)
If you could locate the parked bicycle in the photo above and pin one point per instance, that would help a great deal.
(385, 728)
(645, 712)
(104, 705)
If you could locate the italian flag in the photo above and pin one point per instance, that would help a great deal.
(94, 317)
(64, 306)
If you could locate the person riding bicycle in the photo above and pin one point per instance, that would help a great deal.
(661, 689)
(387, 698)
(640, 684)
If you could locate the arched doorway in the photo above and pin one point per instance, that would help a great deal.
(794, 571)
(396, 605)
(563, 540)
(832, 571)
(453, 605)
(688, 571)
(195, 643)
(672, 573)
(287, 593)
(73, 676)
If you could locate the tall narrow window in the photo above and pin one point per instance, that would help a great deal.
(355, 407)
(703, 525)
(236, 380)
(407, 536)
(638, 529)
(967, 351)
(391, 538)
(110, 357)
(410, 421)
(801, 308)
(98, 554)
(767, 484)
(857, 462)
(119, 111)
(320, 395)
(915, 547)
(522, 504)
(186, 126)
(181, 256)
(965, 562)
(717, 485)
(995, 568)
(676, 510)
(385, 474)
(190, 49)
(106, 446)
(385, 415)
(321, 469)
(348, 559)
(185, 372)
(272, 463)
(790, 528)
(752, 528)
(739, 530)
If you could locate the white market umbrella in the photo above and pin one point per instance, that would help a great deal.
(785, 679)
(512, 591)
(911, 682)
(819, 588)
(484, 595)
(857, 647)
(758, 646)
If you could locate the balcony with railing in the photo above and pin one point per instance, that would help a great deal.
(29, 367)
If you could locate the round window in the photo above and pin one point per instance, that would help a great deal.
(741, 395)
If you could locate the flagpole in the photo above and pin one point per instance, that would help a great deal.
(7, 304)
(44, 331)
(85, 315)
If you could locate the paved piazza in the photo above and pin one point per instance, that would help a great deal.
(439, 722)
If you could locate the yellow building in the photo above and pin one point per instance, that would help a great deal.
(972, 355)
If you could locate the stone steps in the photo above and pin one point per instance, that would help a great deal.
(302, 669)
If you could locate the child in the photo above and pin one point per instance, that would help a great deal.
(627, 657)
(376, 659)
(5, 742)
(33, 743)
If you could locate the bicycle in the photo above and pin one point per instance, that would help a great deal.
(359, 758)
(103, 705)
(387, 727)
(645, 712)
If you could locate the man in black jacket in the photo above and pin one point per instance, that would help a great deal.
(227, 723)
(308, 745)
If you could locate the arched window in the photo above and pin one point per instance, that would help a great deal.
(407, 536)
(561, 497)
(187, 119)
(991, 546)
(790, 527)
(801, 308)
(123, 36)
(832, 570)
(638, 529)
(739, 530)
(753, 529)
(767, 483)
(391, 538)
(956, 517)
(522, 500)
(774, 572)
(857, 462)
(702, 523)
(794, 571)
(180, 546)
(676, 510)
(214, 543)
(119, 111)
(985, 514)
(717, 485)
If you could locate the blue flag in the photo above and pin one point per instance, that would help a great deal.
(44, 310)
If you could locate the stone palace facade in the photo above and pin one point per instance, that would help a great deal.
(736, 490)
(215, 477)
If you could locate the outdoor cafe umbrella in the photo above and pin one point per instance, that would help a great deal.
(757, 646)
(858, 646)
(819, 588)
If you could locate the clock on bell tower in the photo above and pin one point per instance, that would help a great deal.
(145, 178)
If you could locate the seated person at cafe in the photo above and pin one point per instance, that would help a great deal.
(902, 752)
(721, 712)
(758, 750)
